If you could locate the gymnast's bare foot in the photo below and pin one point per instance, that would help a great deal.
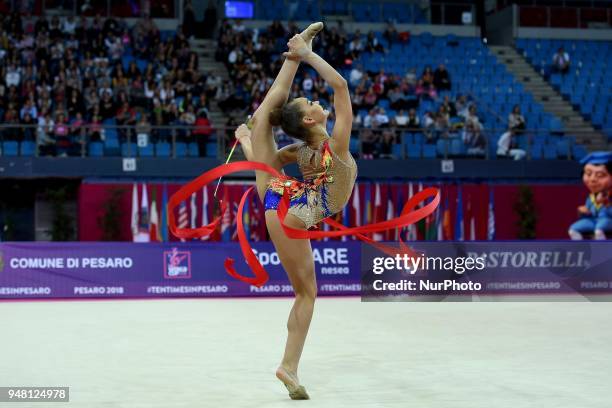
(308, 34)
(296, 391)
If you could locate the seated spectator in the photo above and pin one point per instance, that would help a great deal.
(441, 79)
(78, 133)
(368, 144)
(413, 120)
(44, 135)
(143, 131)
(427, 77)
(355, 75)
(27, 126)
(449, 106)
(390, 34)
(411, 77)
(462, 106)
(429, 121)
(401, 119)
(516, 121)
(441, 125)
(61, 132)
(385, 145)
(561, 61)
(381, 118)
(370, 99)
(505, 146)
(370, 120)
(372, 44)
(425, 91)
(474, 140)
(202, 132)
(473, 118)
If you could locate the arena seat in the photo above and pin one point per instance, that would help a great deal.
(95, 149)
(591, 66)
(10, 148)
(163, 149)
(28, 148)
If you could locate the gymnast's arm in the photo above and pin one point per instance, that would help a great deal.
(342, 101)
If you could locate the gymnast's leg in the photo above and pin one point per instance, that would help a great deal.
(296, 257)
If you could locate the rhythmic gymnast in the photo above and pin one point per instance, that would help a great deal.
(329, 172)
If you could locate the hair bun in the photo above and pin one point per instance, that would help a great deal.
(276, 116)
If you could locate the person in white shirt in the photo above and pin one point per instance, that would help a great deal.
(355, 75)
(561, 61)
(382, 118)
(401, 119)
(307, 83)
(13, 76)
(504, 147)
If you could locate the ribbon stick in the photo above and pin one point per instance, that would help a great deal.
(229, 156)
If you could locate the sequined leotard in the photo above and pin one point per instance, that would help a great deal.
(323, 193)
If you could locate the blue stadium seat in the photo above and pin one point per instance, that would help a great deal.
(180, 149)
(429, 151)
(193, 150)
(211, 149)
(28, 148)
(162, 149)
(95, 149)
(146, 151)
(129, 149)
(413, 151)
(10, 148)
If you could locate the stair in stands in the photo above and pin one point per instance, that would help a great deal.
(551, 100)
(205, 48)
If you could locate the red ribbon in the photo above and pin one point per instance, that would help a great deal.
(407, 217)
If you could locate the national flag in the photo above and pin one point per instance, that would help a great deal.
(143, 222)
(183, 218)
(459, 229)
(367, 213)
(391, 233)
(421, 226)
(472, 221)
(356, 204)
(226, 221)
(193, 211)
(135, 219)
(256, 220)
(164, 214)
(205, 220)
(246, 218)
(377, 212)
(491, 218)
(446, 221)
(154, 232)
(412, 234)
(345, 220)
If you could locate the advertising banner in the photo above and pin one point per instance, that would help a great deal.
(116, 270)
(441, 269)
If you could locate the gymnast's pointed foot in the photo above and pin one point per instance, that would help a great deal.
(310, 32)
(290, 379)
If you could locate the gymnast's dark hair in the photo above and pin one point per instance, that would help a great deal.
(289, 117)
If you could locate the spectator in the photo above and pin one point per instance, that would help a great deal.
(441, 79)
(381, 118)
(401, 119)
(516, 121)
(385, 145)
(561, 61)
(143, 131)
(425, 91)
(449, 106)
(429, 122)
(474, 140)
(427, 78)
(61, 131)
(505, 146)
(368, 144)
(372, 44)
(44, 138)
(462, 106)
(390, 34)
(411, 77)
(307, 84)
(413, 120)
(202, 132)
(355, 75)
(370, 120)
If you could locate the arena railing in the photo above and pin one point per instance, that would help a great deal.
(176, 141)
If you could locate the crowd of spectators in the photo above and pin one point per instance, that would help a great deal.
(67, 77)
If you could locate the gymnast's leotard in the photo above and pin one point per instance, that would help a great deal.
(321, 195)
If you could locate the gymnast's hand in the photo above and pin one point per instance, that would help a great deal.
(242, 132)
(297, 46)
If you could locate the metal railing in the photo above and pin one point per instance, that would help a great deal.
(189, 141)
